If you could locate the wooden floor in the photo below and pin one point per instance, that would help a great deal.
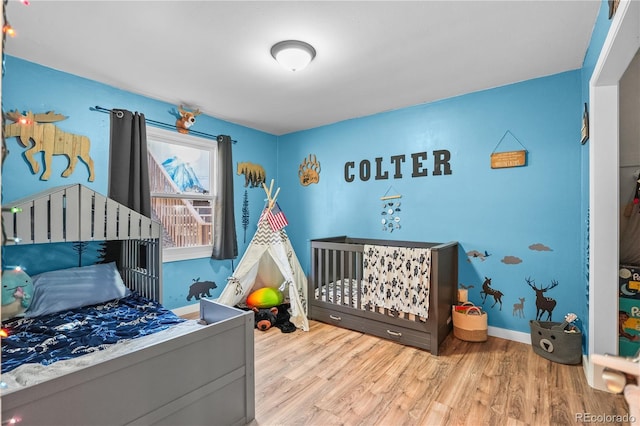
(333, 376)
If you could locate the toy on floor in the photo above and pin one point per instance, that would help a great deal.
(17, 293)
(276, 316)
(266, 297)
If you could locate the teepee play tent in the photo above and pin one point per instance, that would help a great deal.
(270, 261)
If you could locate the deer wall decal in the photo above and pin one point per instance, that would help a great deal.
(543, 303)
(518, 308)
(488, 291)
(48, 138)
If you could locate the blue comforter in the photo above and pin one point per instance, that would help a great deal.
(69, 334)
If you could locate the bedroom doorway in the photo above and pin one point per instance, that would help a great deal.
(617, 53)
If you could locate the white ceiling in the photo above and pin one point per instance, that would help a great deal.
(372, 56)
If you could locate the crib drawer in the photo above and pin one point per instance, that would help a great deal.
(339, 318)
(360, 321)
(403, 335)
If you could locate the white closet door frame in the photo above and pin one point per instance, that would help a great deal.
(620, 46)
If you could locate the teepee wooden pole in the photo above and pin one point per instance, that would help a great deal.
(271, 200)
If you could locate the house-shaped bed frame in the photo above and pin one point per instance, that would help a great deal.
(205, 376)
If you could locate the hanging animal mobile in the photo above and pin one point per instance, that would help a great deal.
(186, 120)
(48, 138)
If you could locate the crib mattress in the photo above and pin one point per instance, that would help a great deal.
(333, 294)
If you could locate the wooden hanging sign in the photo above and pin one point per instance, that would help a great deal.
(500, 160)
(504, 159)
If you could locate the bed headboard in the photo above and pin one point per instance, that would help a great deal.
(75, 213)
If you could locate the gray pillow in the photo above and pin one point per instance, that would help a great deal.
(66, 289)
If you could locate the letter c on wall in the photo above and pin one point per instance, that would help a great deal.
(348, 176)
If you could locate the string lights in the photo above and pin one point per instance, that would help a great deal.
(11, 421)
(7, 30)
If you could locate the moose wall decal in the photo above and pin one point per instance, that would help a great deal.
(543, 303)
(48, 138)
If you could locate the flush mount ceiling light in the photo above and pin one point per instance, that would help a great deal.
(294, 55)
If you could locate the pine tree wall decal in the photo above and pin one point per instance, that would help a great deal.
(245, 214)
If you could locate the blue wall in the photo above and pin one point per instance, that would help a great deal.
(501, 211)
(31, 87)
(506, 212)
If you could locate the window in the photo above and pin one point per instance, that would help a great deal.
(182, 192)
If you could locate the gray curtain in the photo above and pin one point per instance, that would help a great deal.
(225, 244)
(128, 162)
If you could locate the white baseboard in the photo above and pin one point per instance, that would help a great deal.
(503, 333)
(185, 310)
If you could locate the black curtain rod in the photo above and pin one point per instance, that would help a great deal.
(163, 125)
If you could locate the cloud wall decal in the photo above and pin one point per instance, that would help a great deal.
(539, 247)
(511, 260)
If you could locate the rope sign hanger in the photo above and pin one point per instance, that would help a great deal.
(508, 158)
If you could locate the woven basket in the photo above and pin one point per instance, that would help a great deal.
(470, 335)
(470, 323)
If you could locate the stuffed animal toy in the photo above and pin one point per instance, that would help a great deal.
(17, 293)
(265, 318)
(186, 120)
(282, 319)
(277, 316)
(265, 298)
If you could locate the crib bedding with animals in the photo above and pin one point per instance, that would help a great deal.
(399, 290)
(397, 278)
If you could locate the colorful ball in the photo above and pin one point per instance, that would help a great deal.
(265, 297)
